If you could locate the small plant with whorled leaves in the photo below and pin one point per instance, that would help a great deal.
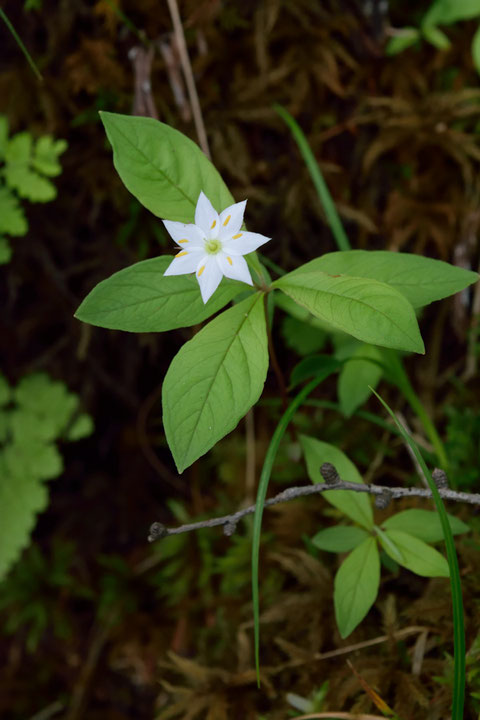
(405, 538)
(219, 374)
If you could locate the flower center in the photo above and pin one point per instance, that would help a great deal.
(213, 246)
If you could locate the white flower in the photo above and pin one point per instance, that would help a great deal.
(213, 246)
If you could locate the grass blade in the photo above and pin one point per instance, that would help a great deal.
(20, 44)
(455, 583)
(317, 178)
(260, 502)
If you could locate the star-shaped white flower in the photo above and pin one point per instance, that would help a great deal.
(213, 246)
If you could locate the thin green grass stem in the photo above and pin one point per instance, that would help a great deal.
(363, 414)
(128, 23)
(401, 380)
(318, 180)
(20, 44)
(260, 503)
(455, 582)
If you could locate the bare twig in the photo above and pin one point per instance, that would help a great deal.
(189, 79)
(169, 53)
(143, 102)
(336, 715)
(230, 522)
(347, 649)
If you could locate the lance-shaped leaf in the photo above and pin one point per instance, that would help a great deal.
(163, 168)
(356, 586)
(214, 380)
(141, 299)
(423, 524)
(362, 370)
(339, 539)
(354, 504)
(417, 556)
(421, 280)
(367, 309)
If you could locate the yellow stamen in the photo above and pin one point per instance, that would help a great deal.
(234, 237)
(181, 254)
(226, 221)
(213, 224)
(182, 241)
(201, 270)
(229, 260)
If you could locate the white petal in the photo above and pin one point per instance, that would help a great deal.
(209, 276)
(234, 267)
(243, 243)
(206, 217)
(231, 220)
(184, 263)
(184, 234)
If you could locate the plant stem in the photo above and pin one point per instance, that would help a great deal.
(261, 495)
(400, 378)
(273, 357)
(20, 44)
(455, 582)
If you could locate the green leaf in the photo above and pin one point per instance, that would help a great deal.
(49, 400)
(402, 40)
(421, 280)
(436, 37)
(19, 149)
(18, 174)
(339, 539)
(302, 337)
(476, 50)
(27, 426)
(356, 505)
(29, 185)
(4, 425)
(163, 168)
(46, 154)
(32, 459)
(423, 524)
(12, 217)
(5, 391)
(21, 498)
(5, 251)
(214, 380)
(318, 366)
(446, 12)
(81, 428)
(363, 369)
(369, 310)
(417, 556)
(356, 586)
(140, 299)
(3, 136)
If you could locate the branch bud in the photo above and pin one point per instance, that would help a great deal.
(157, 531)
(382, 500)
(440, 479)
(329, 474)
